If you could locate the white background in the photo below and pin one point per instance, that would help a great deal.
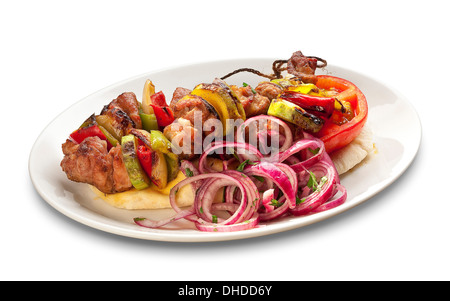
(54, 53)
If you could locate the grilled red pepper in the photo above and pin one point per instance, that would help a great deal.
(322, 106)
(159, 99)
(335, 135)
(89, 131)
(164, 115)
(144, 155)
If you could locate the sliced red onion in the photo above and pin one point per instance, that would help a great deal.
(276, 212)
(332, 203)
(267, 198)
(145, 222)
(212, 227)
(280, 178)
(317, 198)
(243, 207)
(242, 149)
(287, 137)
(304, 144)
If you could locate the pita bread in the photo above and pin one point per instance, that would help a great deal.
(349, 156)
(150, 198)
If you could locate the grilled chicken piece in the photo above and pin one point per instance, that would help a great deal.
(90, 162)
(182, 134)
(191, 106)
(302, 67)
(127, 102)
(178, 94)
(120, 122)
(269, 90)
(253, 103)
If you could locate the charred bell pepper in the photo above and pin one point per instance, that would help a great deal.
(335, 134)
(149, 121)
(85, 131)
(159, 142)
(144, 155)
(323, 106)
(164, 115)
(158, 99)
(89, 131)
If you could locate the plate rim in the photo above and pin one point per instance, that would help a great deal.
(198, 236)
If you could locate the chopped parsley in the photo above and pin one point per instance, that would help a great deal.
(259, 178)
(242, 165)
(275, 203)
(298, 200)
(245, 85)
(314, 151)
(313, 184)
(189, 173)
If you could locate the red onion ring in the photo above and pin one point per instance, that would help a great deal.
(245, 206)
(254, 155)
(288, 137)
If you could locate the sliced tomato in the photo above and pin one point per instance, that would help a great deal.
(336, 136)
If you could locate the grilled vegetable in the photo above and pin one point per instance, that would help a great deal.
(149, 90)
(161, 153)
(320, 105)
(138, 177)
(88, 131)
(149, 121)
(290, 112)
(116, 122)
(144, 155)
(338, 132)
(233, 96)
(172, 166)
(159, 142)
(159, 169)
(223, 102)
(163, 114)
(109, 137)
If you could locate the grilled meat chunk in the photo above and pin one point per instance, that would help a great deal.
(253, 103)
(269, 90)
(182, 135)
(302, 67)
(120, 122)
(191, 106)
(178, 94)
(128, 103)
(90, 162)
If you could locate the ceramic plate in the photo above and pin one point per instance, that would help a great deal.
(395, 148)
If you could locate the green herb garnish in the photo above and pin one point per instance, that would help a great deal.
(189, 173)
(314, 151)
(245, 85)
(242, 165)
(275, 203)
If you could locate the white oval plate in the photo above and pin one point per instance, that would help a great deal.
(396, 147)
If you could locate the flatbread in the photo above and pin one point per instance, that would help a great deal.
(150, 198)
(349, 156)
